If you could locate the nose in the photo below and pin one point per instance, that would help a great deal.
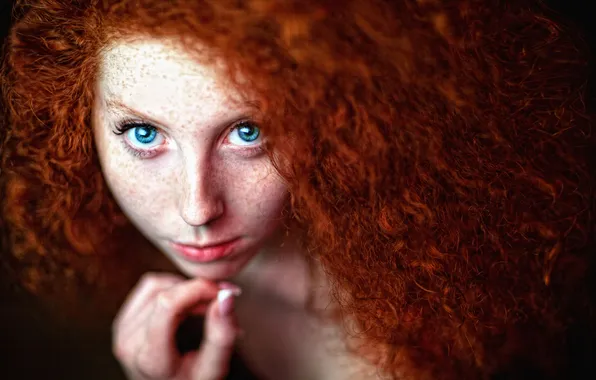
(201, 204)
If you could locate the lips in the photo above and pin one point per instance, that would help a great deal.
(204, 254)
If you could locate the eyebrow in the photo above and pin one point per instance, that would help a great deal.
(110, 104)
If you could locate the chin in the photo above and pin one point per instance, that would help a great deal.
(214, 271)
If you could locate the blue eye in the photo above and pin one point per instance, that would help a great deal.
(144, 134)
(247, 132)
(144, 140)
(140, 135)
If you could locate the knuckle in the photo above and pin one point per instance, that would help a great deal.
(153, 369)
(146, 280)
(121, 351)
(148, 276)
(166, 300)
(153, 281)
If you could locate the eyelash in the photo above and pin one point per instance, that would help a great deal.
(128, 124)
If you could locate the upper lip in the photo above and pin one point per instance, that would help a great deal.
(203, 246)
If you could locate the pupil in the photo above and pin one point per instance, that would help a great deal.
(246, 130)
(144, 135)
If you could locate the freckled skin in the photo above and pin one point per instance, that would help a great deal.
(201, 187)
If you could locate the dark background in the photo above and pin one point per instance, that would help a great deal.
(35, 344)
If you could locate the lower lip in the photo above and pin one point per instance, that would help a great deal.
(205, 255)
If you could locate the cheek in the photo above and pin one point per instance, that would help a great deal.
(147, 190)
(264, 194)
(141, 193)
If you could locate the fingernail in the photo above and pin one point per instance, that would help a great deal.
(225, 298)
(229, 285)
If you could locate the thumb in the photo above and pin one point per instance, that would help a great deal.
(212, 360)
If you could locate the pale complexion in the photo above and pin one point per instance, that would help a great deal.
(190, 171)
(200, 177)
(183, 159)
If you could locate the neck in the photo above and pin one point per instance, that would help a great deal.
(278, 271)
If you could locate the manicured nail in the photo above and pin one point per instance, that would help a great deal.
(225, 299)
(230, 286)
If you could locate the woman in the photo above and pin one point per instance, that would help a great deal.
(396, 189)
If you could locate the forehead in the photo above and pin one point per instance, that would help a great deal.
(155, 73)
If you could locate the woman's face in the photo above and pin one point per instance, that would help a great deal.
(186, 168)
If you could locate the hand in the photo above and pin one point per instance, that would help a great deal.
(145, 328)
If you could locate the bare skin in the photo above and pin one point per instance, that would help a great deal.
(188, 170)
(145, 326)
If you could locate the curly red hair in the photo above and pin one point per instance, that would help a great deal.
(436, 153)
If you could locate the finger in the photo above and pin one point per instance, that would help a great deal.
(212, 361)
(159, 356)
(147, 287)
(201, 308)
(128, 331)
(135, 312)
(132, 335)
